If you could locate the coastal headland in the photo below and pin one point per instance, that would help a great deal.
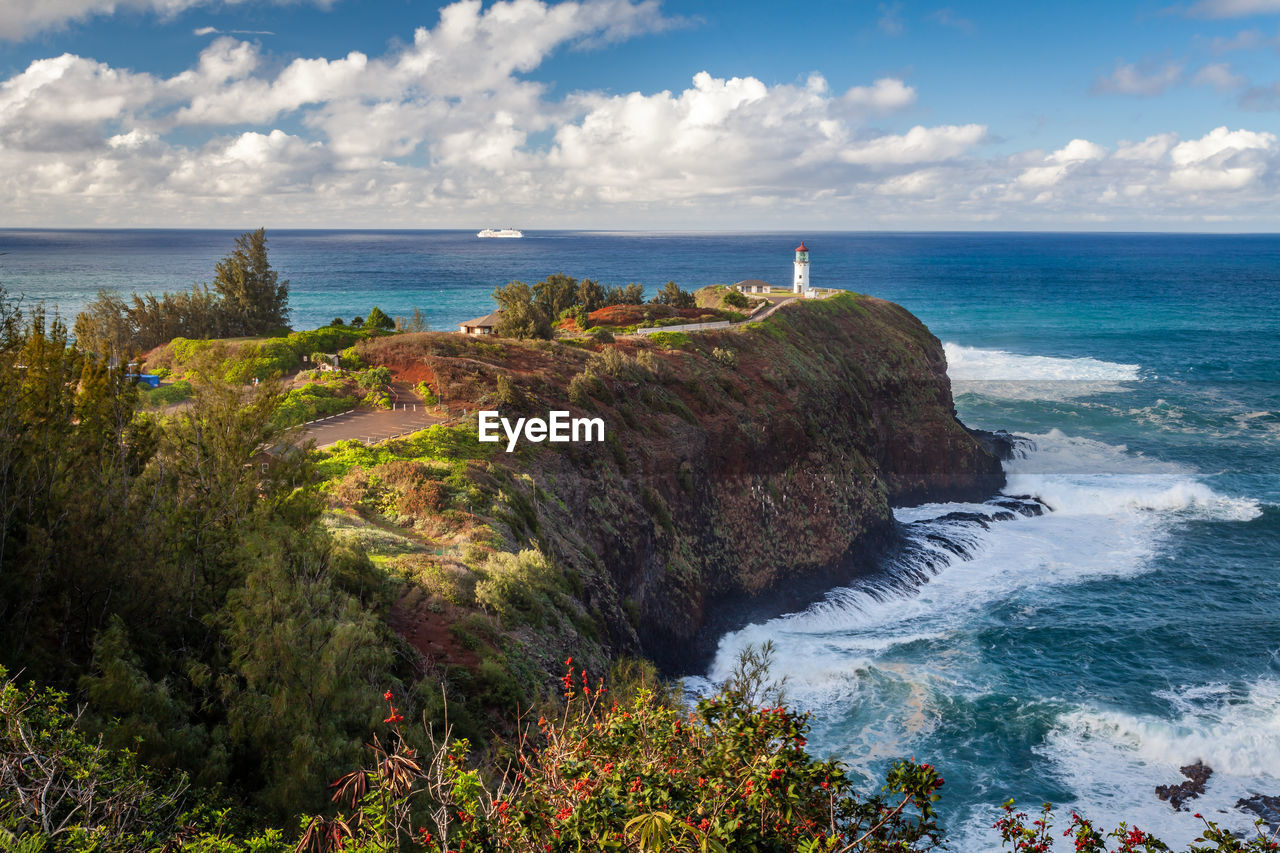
(742, 464)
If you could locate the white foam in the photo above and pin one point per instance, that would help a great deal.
(1079, 476)
(1007, 375)
(985, 365)
(1113, 509)
(1114, 760)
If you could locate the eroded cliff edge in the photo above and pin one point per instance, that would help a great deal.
(740, 464)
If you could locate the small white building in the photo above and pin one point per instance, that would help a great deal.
(481, 325)
(753, 285)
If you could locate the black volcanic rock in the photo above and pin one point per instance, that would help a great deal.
(1197, 775)
(1265, 807)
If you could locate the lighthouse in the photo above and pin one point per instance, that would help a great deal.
(800, 283)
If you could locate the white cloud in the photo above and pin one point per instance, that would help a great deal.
(884, 95)
(890, 21)
(1149, 150)
(1144, 81)
(1060, 164)
(947, 17)
(448, 129)
(1243, 40)
(922, 182)
(1219, 142)
(918, 145)
(22, 18)
(1220, 76)
(1221, 160)
(1233, 8)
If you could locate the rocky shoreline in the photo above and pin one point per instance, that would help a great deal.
(1265, 806)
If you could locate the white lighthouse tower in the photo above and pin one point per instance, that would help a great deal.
(800, 283)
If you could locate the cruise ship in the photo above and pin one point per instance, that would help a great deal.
(500, 232)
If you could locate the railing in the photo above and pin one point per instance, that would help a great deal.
(687, 327)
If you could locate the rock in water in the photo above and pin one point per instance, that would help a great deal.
(1197, 775)
(1265, 807)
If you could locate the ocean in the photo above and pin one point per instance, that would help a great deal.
(1080, 657)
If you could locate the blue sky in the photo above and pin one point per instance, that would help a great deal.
(613, 113)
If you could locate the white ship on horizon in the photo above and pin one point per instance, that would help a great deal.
(500, 232)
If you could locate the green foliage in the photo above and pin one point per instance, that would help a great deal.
(254, 299)
(167, 395)
(513, 585)
(508, 393)
(415, 322)
(584, 386)
(736, 299)
(247, 299)
(378, 320)
(247, 641)
(591, 296)
(675, 296)
(374, 378)
(637, 775)
(1021, 835)
(632, 294)
(531, 312)
(114, 328)
(349, 359)
(310, 402)
(521, 317)
(727, 357)
(671, 340)
(437, 443)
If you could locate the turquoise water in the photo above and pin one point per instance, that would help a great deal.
(1079, 657)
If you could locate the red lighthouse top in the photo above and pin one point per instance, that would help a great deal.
(801, 247)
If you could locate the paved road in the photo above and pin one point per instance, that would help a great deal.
(370, 425)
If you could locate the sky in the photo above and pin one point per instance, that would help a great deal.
(641, 114)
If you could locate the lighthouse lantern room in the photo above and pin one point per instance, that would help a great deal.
(800, 284)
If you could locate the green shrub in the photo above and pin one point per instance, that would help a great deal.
(671, 340)
(167, 395)
(349, 359)
(727, 357)
(374, 377)
(310, 402)
(644, 775)
(512, 584)
(736, 299)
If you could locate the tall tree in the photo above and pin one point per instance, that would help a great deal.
(675, 296)
(378, 319)
(255, 299)
(521, 316)
(555, 294)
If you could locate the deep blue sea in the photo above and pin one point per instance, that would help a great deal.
(1080, 657)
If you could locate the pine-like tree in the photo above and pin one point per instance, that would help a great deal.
(255, 299)
(378, 319)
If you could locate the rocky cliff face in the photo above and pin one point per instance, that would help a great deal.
(742, 466)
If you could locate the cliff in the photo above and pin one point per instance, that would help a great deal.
(743, 465)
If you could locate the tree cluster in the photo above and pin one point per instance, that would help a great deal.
(247, 298)
(532, 311)
(176, 574)
(380, 322)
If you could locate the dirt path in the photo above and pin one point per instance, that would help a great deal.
(409, 414)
